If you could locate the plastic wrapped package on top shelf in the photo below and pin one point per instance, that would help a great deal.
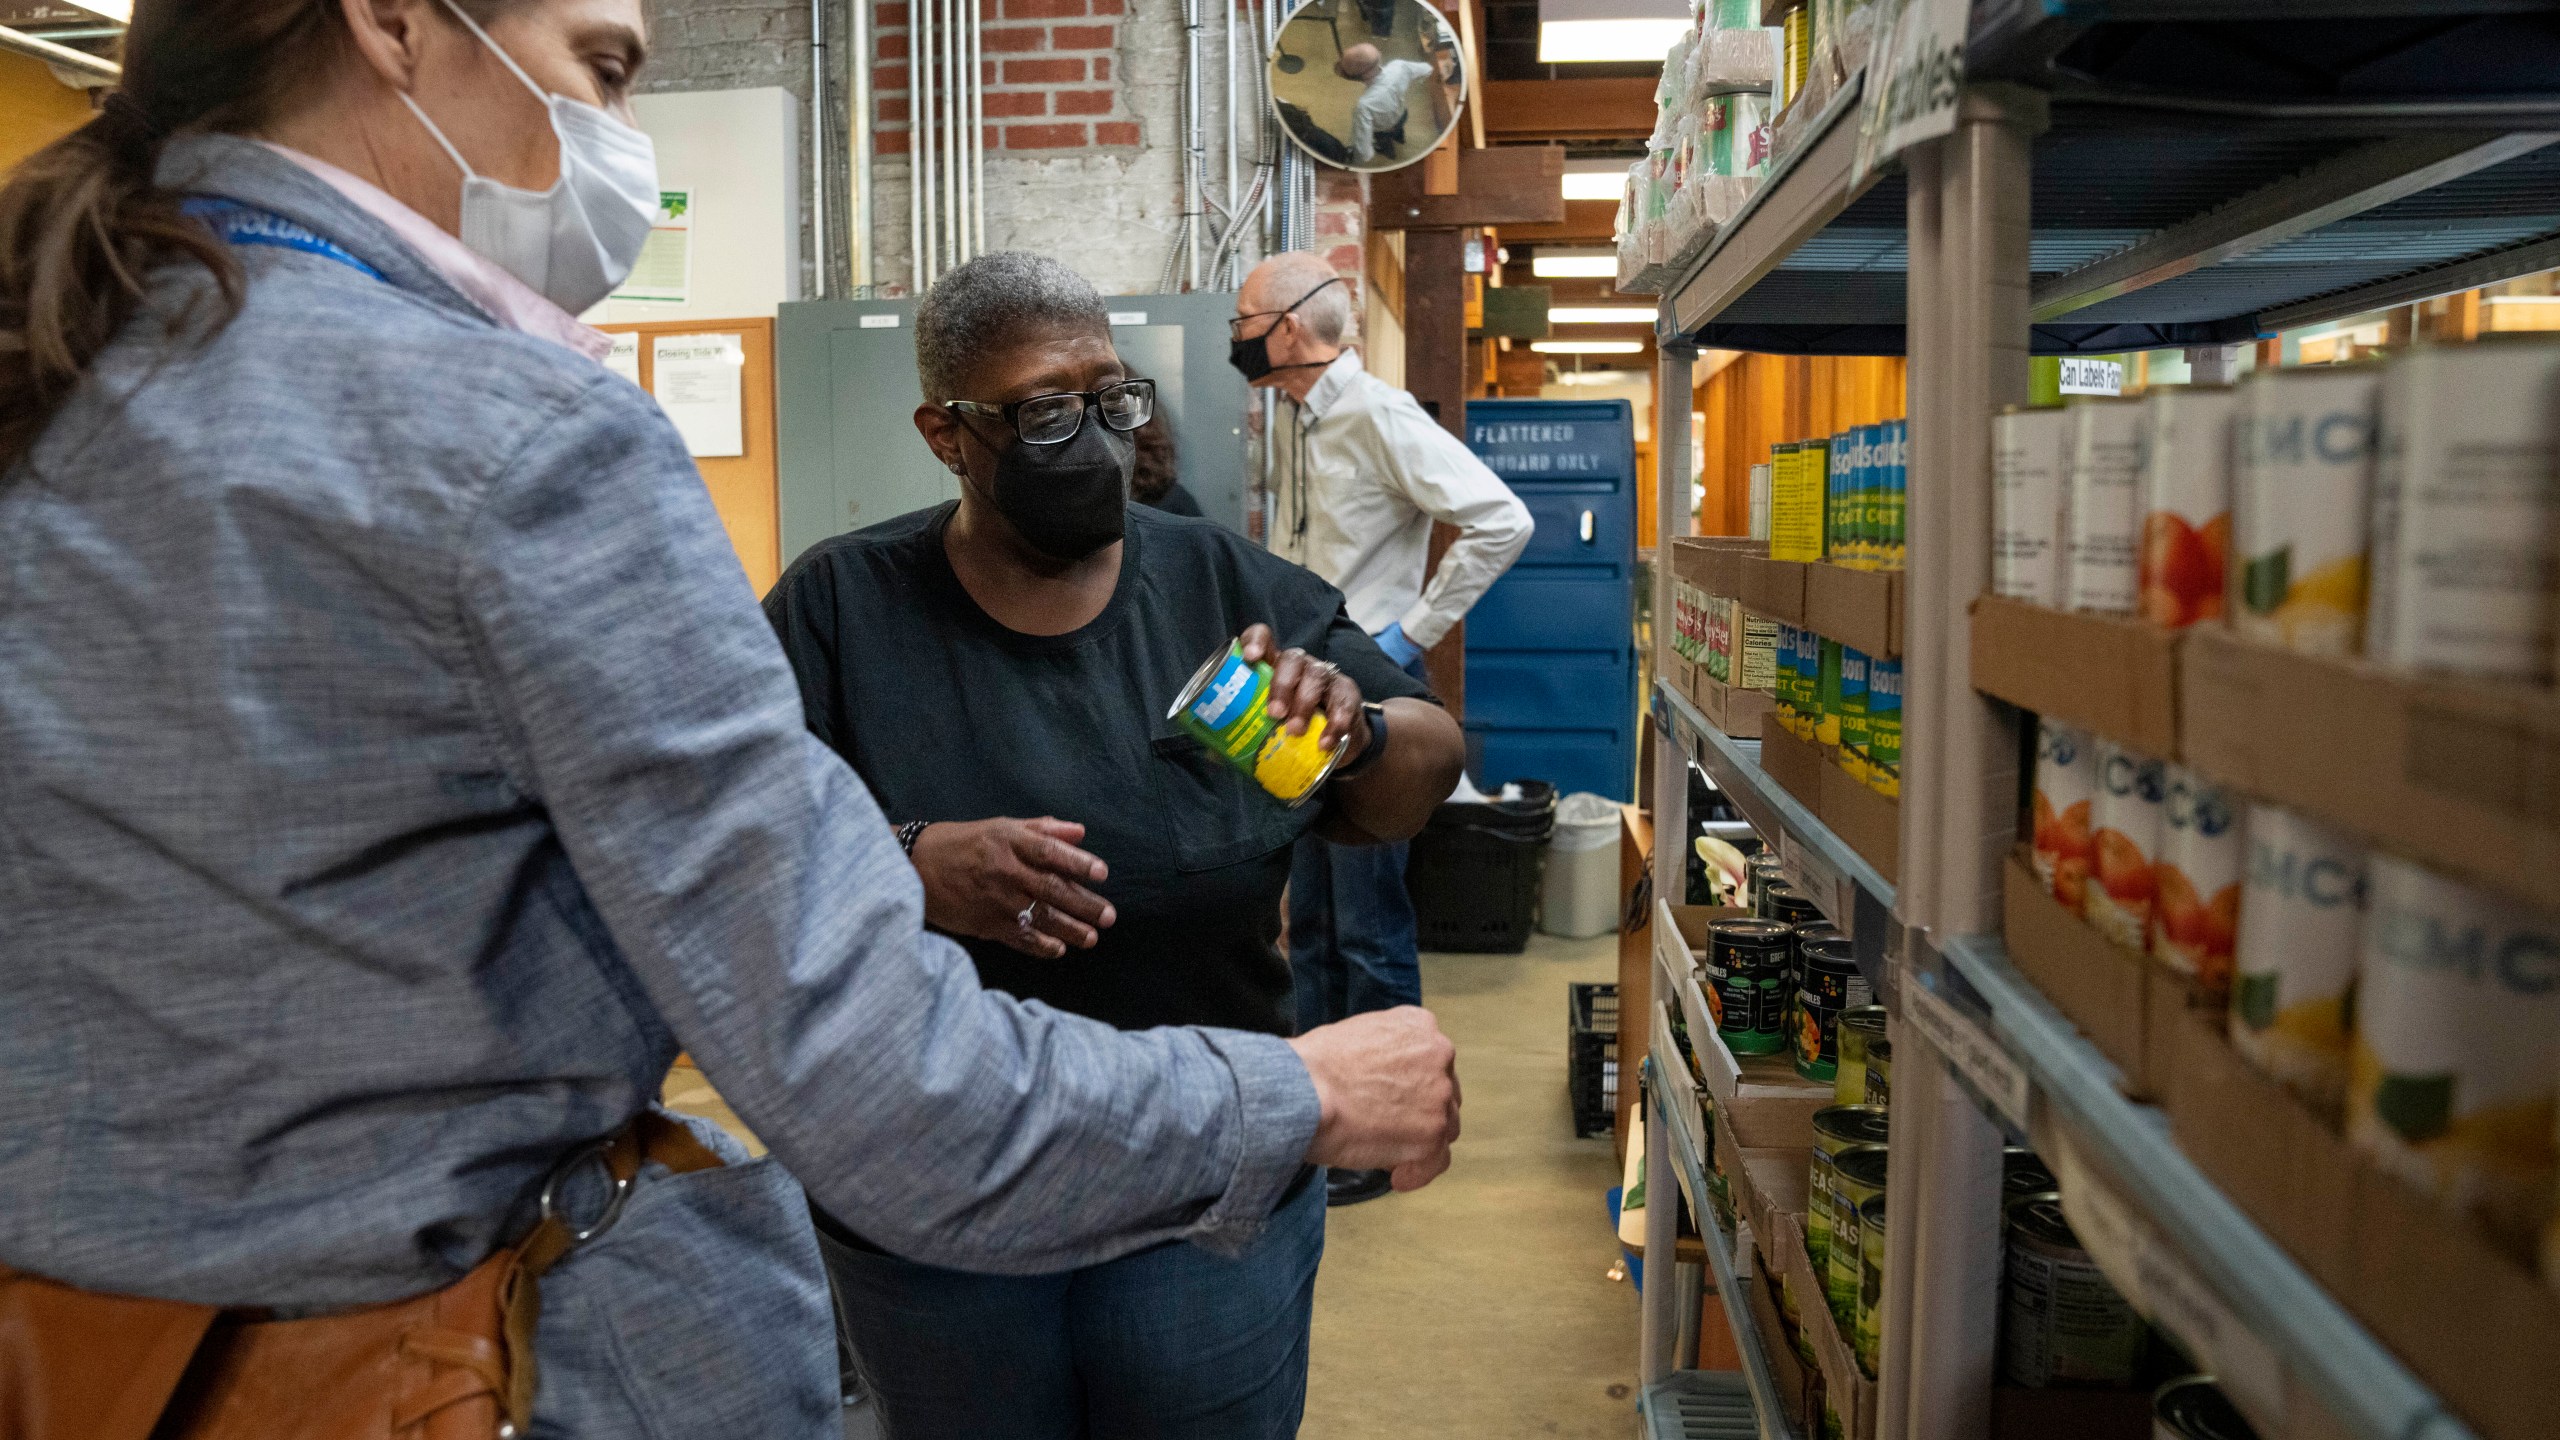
(1844, 33)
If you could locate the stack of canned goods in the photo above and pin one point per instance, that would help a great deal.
(2063, 1323)
(1845, 700)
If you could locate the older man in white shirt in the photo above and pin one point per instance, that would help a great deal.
(1387, 89)
(1363, 474)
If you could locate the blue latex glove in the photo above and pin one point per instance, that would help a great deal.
(1399, 648)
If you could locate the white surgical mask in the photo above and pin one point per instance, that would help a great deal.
(579, 239)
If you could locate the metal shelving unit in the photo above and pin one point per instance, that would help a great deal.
(2113, 182)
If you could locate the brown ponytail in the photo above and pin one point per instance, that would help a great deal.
(81, 222)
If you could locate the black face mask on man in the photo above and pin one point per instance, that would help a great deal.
(1069, 499)
(1251, 355)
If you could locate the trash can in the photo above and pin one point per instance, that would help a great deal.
(1473, 871)
(1579, 897)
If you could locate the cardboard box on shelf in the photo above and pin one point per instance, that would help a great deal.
(1737, 712)
(1859, 608)
(2100, 986)
(1716, 561)
(2474, 1323)
(1771, 1181)
(1796, 765)
(2464, 775)
(1869, 823)
(1847, 1387)
(1774, 588)
(1797, 1386)
(2116, 677)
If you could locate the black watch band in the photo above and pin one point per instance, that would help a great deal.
(1377, 743)
(907, 834)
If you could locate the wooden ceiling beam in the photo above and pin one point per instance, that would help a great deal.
(1614, 108)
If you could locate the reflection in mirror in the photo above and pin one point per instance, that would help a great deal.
(1368, 84)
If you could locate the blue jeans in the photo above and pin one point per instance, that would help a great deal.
(1352, 941)
(1172, 1343)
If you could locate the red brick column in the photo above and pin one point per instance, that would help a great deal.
(1051, 73)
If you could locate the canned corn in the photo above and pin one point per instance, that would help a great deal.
(2301, 928)
(1226, 708)
(1884, 726)
(2457, 1046)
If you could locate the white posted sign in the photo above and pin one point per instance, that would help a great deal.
(1913, 81)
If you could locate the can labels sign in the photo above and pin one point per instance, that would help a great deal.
(1974, 1054)
(2084, 375)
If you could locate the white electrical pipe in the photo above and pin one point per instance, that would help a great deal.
(818, 148)
(947, 148)
(63, 56)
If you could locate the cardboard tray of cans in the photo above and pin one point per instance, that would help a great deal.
(2118, 677)
(2464, 774)
(1760, 1098)
(1740, 713)
(1799, 1386)
(1859, 608)
(1867, 822)
(2130, 1005)
(1766, 1181)
(2470, 1319)
(1844, 1385)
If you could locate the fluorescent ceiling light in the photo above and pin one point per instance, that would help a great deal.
(1601, 377)
(1583, 42)
(1600, 315)
(1595, 185)
(1575, 265)
(1587, 347)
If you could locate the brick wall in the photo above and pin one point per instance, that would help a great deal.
(1051, 69)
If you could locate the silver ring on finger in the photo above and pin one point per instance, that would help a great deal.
(1029, 918)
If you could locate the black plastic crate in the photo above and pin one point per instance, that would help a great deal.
(1475, 869)
(1591, 1058)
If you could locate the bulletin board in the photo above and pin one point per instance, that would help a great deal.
(742, 486)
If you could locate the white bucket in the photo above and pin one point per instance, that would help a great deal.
(1579, 897)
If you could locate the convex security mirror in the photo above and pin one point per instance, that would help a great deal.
(1368, 84)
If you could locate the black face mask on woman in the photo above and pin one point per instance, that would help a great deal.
(1069, 499)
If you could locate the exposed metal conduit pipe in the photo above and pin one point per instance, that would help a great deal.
(977, 128)
(858, 120)
(823, 261)
(919, 147)
(955, 164)
(62, 56)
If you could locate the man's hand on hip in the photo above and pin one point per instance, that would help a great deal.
(1387, 1083)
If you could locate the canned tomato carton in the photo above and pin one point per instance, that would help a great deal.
(2301, 930)
(2066, 793)
(2195, 905)
(2127, 818)
(1226, 708)
(2466, 512)
(2104, 506)
(2030, 452)
(2186, 504)
(2456, 1058)
(2302, 496)
(1716, 629)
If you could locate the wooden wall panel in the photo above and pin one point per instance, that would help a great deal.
(1763, 400)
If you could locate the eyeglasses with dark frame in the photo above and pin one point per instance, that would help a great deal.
(1055, 419)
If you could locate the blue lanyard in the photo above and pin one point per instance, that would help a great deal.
(240, 224)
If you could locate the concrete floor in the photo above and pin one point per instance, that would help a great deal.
(1481, 1306)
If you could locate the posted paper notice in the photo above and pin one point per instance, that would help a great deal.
(700, 382)
(664, 273)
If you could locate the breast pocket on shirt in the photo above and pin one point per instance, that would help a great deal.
(1216, 813)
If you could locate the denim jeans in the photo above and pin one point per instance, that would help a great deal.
(1172, 1343)
(1352, 940)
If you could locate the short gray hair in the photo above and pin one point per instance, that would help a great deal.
(1295, 275)
(990, 300)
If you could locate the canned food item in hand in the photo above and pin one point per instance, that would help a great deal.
(1226, 707)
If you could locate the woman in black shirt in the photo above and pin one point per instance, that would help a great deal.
(999, 671)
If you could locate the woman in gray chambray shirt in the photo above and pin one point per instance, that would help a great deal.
(396, 770)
